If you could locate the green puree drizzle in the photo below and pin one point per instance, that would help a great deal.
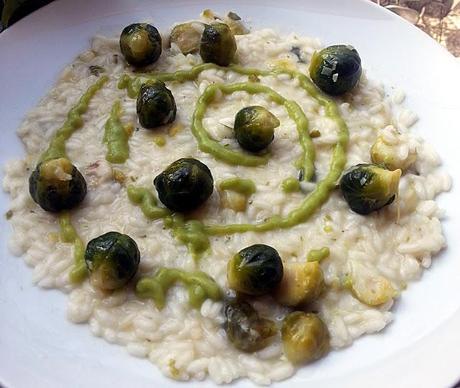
(205, 143)
(200, 286)
(290, 185)
(318, 254)
(74, 121)
(68, 234)
(190, 233)
(133, 85)
(239, 185)
(147, 202)
(116, 137)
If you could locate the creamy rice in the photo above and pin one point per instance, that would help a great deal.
(396, 243)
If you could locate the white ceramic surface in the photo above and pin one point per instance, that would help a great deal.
(40, 348)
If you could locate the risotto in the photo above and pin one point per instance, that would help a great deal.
(284, 208)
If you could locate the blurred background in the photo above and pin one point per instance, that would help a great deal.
(438, 18)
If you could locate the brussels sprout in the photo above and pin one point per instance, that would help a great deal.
(218, 44)
(254, 128)
(187, 36)
(140, 44)
(235, 24)
(233, 16)
(232, 20)
(184, 185)
(57, 185)
(336, 69)
(302, 283)
(305, 337)
(368, 288)
(367, 187)
(387, 154)
(255, 270)
(373, 291)
(112, 260)
(155, 105)
(245, 329)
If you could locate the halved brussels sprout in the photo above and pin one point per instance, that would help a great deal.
(387, 154)
(336, 69)
(140, 44)
(245, 329)
(235, 24)
(370, 289)
(255, 270)
(234, 193)
(302, 283)
(367, 187)
(233, 200)
(218, 44)
(187, 36)
(184, 185)
(232, 20)
(254, 127)
(112, 260)
(57, 185)
(155, 105)
(305, 337)
(374, 291)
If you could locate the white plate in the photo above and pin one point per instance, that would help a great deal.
(39, 348)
